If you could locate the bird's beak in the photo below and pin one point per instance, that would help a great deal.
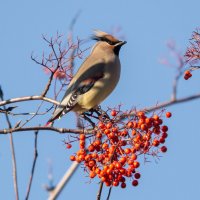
(121, 43)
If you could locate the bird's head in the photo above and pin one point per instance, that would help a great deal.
(109, 40)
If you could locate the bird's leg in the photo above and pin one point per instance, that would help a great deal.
(85, 116)
(90, 113)
(101, 113)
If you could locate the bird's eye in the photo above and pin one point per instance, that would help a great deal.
(110, 42)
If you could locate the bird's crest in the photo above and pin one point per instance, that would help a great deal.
(103, 36)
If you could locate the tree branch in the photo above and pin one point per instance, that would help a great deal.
(29, 98)
(33, 166)
(86, 131)
(43, 128)
(58, 189)
(14, 165)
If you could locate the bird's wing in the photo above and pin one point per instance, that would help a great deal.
(82, 82)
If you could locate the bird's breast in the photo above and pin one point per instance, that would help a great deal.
(102, 87)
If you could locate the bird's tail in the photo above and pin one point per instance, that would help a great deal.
(57, 114)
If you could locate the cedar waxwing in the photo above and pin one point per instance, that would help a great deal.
(95, 79)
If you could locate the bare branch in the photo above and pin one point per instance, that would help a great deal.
(109, 193)
(58, 189)
(44, 128)
(100, 190)
(33, 166)
(78, 131)
(29, 98)
(14, 166)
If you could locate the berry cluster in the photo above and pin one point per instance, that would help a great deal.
(187, 75)
(115, 147)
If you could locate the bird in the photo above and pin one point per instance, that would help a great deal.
(96, 78)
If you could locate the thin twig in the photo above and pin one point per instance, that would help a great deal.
(58, 189)
(44, 128)
(14, 165)
(109, 192)
(29, 98)
(28, 120)
(33, 165)
(100, 190)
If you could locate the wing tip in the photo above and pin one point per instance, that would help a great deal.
(49, 123)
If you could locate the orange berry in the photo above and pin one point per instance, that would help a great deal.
(115, 183)
(122, 160)
(97, 171)
(187, 72)
(99, 135)
(103, 178)
(81, 157)
(136, 164)
(82, 143)
(130, 162)
(107, 183)
(144, 127)
(155, 143)
(111, 135)
(101, 125)
(105, 146)
(108, 171)
(155, 117)
(118, 165)
(92, 174)
(140, 114)
(82, 137)
(107, 131)
(109, 125)
(130, 125)
(91, 148)
(97, 142)
(133, 156)
(187, 75)
(68, 146)
(127, 151)
(168, 114)
(91, 163)
(72, 158)
(115, 129)
(124, 133)
(113, 113)
(134, 132)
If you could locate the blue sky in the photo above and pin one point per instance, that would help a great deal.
(146, 25)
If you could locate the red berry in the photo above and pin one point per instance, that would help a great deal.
(135, 182)
(123, 185)
(68, 146)
(137, 175)
(155, 143)
(164, 128)
(72, 158)
(136, 164)
(115, 183)
(82, 137)
(168, 114)
(163, 149)
(113, 113)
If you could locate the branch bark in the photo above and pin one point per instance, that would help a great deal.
(58, 189)
(29, 98)
(33, 166)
